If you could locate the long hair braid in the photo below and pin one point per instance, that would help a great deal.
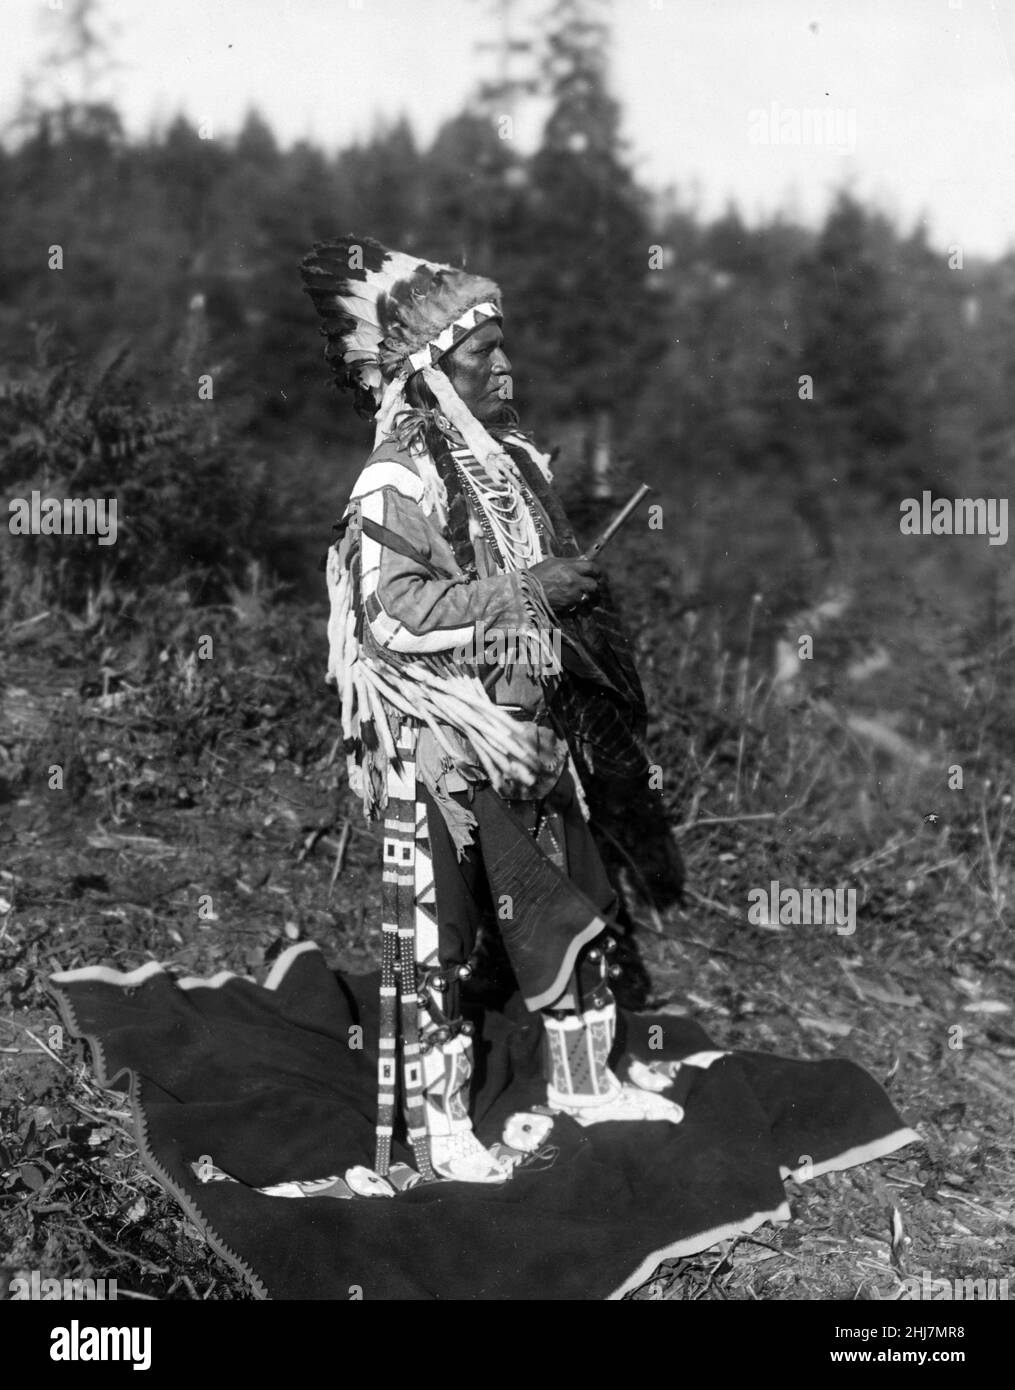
(458, 503)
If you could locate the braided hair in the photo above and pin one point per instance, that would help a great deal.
(458, 503)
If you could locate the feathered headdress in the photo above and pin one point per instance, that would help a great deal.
(387, 315)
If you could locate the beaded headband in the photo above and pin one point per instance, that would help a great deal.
(450, 337)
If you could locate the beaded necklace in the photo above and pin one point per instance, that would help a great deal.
(507, 513)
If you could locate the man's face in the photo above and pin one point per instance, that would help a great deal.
(479, 370)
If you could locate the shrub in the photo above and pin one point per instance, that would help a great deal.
(186, 502)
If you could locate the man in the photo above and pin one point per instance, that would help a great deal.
(482, 676)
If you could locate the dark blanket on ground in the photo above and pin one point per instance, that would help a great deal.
(268, 1084)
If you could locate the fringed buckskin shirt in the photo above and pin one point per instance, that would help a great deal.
(413, 600)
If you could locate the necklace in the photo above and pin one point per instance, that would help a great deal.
(506, 513)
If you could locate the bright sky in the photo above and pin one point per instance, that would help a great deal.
(915, 99)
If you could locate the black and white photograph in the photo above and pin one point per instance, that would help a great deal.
(507, 664)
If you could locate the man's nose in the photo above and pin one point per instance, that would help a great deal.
(501, 362)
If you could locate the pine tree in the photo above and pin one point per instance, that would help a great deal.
(859, 412)
(592, 324)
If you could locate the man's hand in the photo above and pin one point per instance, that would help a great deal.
(567, 582)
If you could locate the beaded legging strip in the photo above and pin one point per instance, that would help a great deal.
(399, 1004)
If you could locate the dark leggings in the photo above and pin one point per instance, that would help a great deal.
(463, 889)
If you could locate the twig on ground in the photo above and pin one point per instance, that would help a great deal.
(725, 820)
(721, 908)
(340, 855)
(27, 622)
(116, 1254)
